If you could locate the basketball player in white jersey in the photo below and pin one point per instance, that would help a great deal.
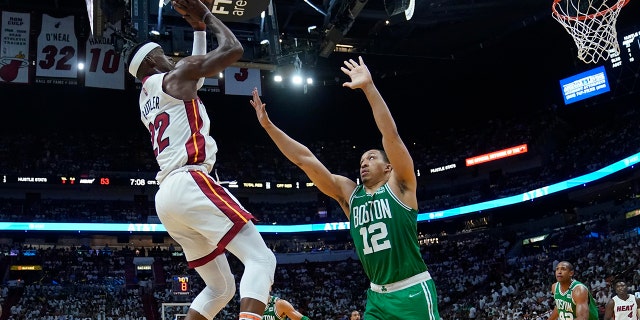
(202, 216)
(623, 306)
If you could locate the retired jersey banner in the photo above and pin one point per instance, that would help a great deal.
(14, 48)
(211, 85)
(104, 68)
(57, 55)
(241, 81)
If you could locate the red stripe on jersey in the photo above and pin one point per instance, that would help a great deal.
(250, 316)
(195, 145)
(226, 203)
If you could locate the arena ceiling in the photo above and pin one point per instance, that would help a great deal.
(439, 29)
(495, 53)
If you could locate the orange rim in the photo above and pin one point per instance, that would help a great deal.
(620, 4)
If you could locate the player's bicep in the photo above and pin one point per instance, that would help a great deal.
(189, 68)
(335, 186)
(218, 60)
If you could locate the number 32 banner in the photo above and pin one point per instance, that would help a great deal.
(57, 56)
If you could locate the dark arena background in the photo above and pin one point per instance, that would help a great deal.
(516, 169)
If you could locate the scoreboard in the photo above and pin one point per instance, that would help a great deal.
(73, 180)
(139, 180)
(629, 49)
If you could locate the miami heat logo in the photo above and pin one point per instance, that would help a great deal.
(9, 66)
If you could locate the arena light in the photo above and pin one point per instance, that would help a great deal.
(396, 7)
(296, 79)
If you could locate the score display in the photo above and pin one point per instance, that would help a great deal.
(629, 49)
(631, 45)
(71, 180)
(180, 285)
(141, 180)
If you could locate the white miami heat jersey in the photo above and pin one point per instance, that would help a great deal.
(179, 129)
(625, 309)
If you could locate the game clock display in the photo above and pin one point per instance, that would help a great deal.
(180, 285)
(79, 180)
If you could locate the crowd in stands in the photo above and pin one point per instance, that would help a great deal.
(484, 273)
(558, 150)
(479, 275)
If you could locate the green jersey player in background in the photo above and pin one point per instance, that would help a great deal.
(573, 300)
(280, 309)
(382, 210)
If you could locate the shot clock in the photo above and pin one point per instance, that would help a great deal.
(180, 285)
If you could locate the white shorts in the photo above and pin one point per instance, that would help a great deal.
(199, 214)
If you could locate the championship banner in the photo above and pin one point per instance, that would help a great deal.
(57, 56)
(14, 57)
(241, 81)
(104, 68)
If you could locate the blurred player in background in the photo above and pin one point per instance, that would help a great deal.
(280, 309)
(573, 300)
(623, 306)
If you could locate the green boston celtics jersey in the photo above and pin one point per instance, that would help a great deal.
(384, 232)
(270, 310)
(566, 306)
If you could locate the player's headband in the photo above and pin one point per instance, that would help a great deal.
(139, 56)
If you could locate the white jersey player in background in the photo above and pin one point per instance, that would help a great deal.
(622, 306)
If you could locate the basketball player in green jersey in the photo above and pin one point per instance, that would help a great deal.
(280, 309)
(382, 210)
(573, 300)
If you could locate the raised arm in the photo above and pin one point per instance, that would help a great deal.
(335, 186)
(401, 161)
(228, 51)
(199, 40)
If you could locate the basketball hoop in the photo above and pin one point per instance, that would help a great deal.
(592, 24)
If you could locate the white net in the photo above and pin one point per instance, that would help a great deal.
(592, 24)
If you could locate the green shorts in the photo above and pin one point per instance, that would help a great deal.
(418, 301)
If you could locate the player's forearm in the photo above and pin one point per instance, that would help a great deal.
(225, 37)
(199, 43)
(229, 49)
(381, 114)
(199, 48)
(292, 149)
(582, 312)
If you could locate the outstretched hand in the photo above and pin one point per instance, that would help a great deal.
(358, 72)
(195, 23)
(261, 111)
(193, 11)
